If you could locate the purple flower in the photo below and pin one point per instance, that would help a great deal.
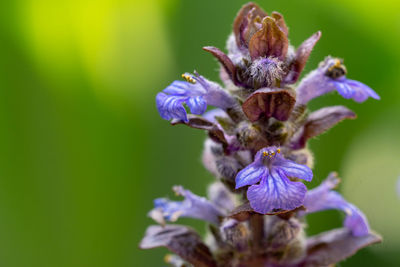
(271, 189)
(192, 206)
(323, 198)
(328, 77)
(196, 92)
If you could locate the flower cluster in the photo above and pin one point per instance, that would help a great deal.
(257, 149)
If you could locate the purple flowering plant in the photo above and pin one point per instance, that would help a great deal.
(257, 148)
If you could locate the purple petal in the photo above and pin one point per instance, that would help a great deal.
(216, 96)
(356, 90)
(197, 105)
(313, 196)
(196, 94)
(160, 99)
(192, 206)
(171, 210)
(362, 91)
(174, 106)
(170, 106)
(320, 198)
(344, 89)
(177, 88)
(170, 101)
(292, 169)
(198, 207)
(251, 175)
(313, 85)
(356, 221)
(276, 192)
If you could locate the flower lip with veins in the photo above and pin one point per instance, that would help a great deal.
(271, 188)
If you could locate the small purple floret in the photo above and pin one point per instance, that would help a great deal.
(326, 78)
(271, 189)
(192, 206)
(170, 101)
(196, 94)
(324, 198)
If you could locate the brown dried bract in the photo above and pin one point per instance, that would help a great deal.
(198, 122)
(246, 15)
(270, 40)
(180, 240)
(336, 245)
(301, 58)
(277, 103)
(319, 122)
(225, 61)
(244, 211)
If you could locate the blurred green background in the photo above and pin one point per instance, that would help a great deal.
(84, 152)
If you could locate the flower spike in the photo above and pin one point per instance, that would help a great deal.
(257, 149)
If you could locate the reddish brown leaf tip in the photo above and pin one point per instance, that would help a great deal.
(319, 122)
(280, 21)
(301, 57)
(241, 21)
(180, 240)
(198, 122)
(226, 62)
